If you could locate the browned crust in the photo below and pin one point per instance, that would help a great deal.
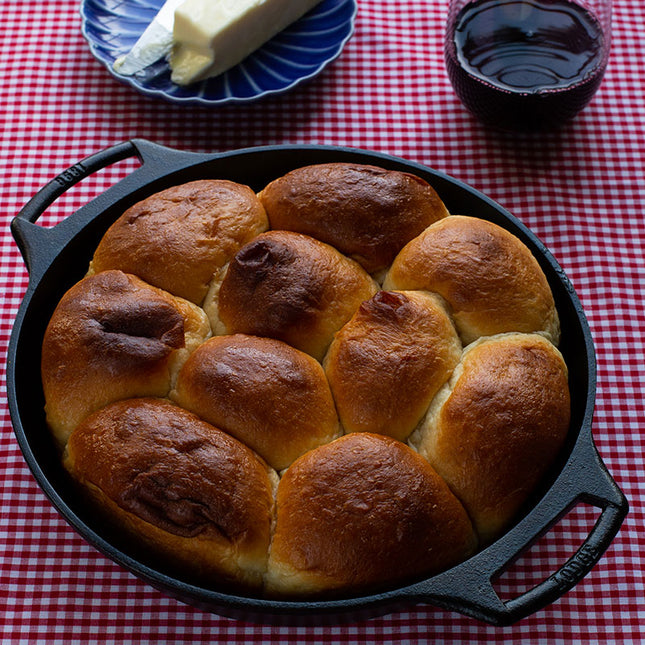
(366, 212)
(178, 238)
(500, 426)
(271, 396)
(387, 363)
(293, 288)
(178, 480)
(362, 512)
(490, 279)
(111, 336)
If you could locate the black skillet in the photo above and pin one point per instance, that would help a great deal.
(57, 257)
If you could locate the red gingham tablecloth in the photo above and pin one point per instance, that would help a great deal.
(580, 189)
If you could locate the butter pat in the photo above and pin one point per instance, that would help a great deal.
(211, 36)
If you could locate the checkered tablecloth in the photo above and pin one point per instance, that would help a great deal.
(580, 189)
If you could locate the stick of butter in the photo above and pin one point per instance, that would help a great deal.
(211, 36)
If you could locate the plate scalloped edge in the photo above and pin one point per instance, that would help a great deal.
(294, 56)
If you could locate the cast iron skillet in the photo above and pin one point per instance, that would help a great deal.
(58, 257)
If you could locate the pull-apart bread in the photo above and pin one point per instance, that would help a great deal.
(184, 487)
(177, 238)
(367, 213)
(488, 277)
(330, 387)
(291, 287)
(112, 337)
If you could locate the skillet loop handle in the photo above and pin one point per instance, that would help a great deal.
(37, 243)
(58, 186)
(584, 480)
(575, 569)
(469, 588)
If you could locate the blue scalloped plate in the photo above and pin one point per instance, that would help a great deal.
(299, 53)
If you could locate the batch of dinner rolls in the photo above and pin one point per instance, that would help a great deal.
(330, 387)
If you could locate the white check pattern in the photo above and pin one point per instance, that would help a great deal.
(581, 190)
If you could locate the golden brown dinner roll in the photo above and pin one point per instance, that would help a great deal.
(363, 512)
(196, 496)
(387, 363)
(178, 238)
(112, 336)
(291, 287)
(487, 275)
(269, 395)
(202, 404)
(367, 213)
(493, 432)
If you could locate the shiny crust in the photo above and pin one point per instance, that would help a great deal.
(196, 494)
(498, 426)
(111, 337)
(269, 395)
(387, 363)
(363, 512)
(178, 238)
(188, 480)
(487, 275)
(367, 213)
(291, 287)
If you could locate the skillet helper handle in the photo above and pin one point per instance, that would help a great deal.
(469, 587)
(39, 245)
(47, 195)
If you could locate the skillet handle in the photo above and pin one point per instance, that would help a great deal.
(468, 588)
(47, 195)
(38, 245)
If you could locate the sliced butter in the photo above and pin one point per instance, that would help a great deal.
(211, 36)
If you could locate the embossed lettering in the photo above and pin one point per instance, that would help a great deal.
(576, 567)
(71, 175)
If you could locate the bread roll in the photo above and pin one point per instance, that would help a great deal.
(487, 275)
(202, 403)
(178, 238)
(269, 395)
(494, 431)
(111, 337)
(362, 513)
(367, 213)
(291, 287)
(202, 501)
(387, 363)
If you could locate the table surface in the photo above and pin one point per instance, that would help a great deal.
(580, 189)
